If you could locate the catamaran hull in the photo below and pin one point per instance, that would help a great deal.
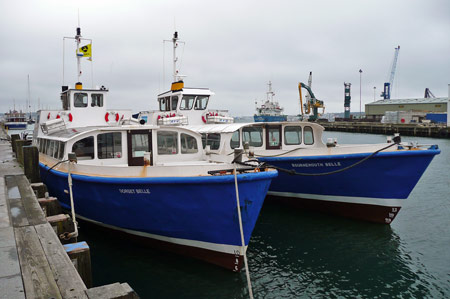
(373, 190)
(194, 216)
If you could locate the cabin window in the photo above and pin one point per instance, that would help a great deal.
(292, 135)
(167, 143)
(212, 139)
(201, 103)
(50, 148)
(109, 145)
(97, 100)
(80, 99)
(84, 148)
(61, 150)
(188, 144)
(235, 140)
(139, 145)
(174, 102)
(164, 104)
(253, 135)
(308, 136)
(56, 150)
(274, 136)
(187, 102)
(41, 145)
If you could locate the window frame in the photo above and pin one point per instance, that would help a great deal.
(299, 135)
(75, 99)
(186, 96)
(85, 156)
(113, 145)
(304, 135)
(260, 129)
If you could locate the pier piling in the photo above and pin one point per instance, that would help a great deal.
(80, 255)
(31, 163)
(14, 138)
(50, 206)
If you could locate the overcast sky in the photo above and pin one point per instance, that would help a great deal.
(232, 47)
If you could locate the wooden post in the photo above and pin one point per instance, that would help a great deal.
(80, 255)
(50, 206)
(14, 137)
(40, 189)
(114, 290)
(62, 223)
(31, 163)
(19, 149)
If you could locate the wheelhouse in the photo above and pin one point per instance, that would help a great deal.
(285, 136)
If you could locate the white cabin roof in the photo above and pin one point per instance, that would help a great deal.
(230, 128)
(189, 91)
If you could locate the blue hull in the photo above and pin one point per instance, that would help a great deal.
(372, 190)
(269, 118)
(16, 125)
(198, 209)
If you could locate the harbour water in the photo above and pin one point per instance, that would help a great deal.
(295, 253)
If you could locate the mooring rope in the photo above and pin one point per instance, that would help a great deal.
(242, 234)
(293, 172)
(73, 234)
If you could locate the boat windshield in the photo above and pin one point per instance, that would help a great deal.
(201, 102)
(187, 102)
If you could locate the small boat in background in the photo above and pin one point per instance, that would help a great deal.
(270, 110)
(15, 120)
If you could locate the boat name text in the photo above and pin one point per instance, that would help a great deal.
(134, 191)
(318, 164)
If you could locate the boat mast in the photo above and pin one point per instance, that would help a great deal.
(79, 55)
(175, 58)
(270, 93)
(29, 99)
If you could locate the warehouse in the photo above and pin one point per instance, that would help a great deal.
(376, 110)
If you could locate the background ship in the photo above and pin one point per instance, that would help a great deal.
(270, 110)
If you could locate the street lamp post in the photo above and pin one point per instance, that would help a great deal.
(360, 75)
(374, 91)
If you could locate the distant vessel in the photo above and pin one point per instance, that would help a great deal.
(15, 120)
(270, 110)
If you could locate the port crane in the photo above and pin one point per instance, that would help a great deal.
(386, 94)
(428, 94)
(311, 103)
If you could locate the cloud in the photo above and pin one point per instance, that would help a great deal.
(233, 47)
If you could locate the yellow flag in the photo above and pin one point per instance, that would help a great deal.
(85, 51)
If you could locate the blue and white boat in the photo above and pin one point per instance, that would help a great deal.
(367, 181)
(182, 105)
(270, 110)
(151, 182)
(15, 120)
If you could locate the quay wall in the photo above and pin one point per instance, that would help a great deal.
(389, 129)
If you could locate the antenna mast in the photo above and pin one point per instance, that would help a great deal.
(175, 58)
(77, 38)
